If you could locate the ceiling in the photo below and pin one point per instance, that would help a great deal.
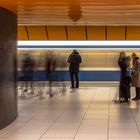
(78, 32)
(9, 4)
(76, 12)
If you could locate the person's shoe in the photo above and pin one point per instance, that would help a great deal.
(135, 98)
(51, 95)
(126, 101)
(25, 90)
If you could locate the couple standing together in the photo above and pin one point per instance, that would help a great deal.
(129, 76)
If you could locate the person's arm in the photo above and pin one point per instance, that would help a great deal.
(136, 67)
(80, 58)
(69, 59)
(119, 63)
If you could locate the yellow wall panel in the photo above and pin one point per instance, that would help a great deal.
(116, 32)
(56, 33)
(37, 32)
(133, 32)
(22, 34)
(96, 32)
(76, 32)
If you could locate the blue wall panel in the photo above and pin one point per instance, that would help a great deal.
(83, 75)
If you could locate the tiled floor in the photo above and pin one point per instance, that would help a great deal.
(88, 114)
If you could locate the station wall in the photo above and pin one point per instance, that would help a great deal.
(78, 32)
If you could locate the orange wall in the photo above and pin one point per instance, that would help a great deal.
(79, 33)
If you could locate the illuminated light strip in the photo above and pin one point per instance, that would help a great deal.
(79, 43)
(96, 49)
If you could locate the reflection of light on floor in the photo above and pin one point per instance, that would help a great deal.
(87, 114)
(135, 105)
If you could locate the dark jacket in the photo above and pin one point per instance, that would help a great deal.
(74, 60)
(123, 66)
(51, 64)
(28, 65)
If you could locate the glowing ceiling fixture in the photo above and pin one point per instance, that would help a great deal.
(75, 12)
(78, 43)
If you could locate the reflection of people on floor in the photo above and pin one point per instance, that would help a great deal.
(50, 69)
(74, 60)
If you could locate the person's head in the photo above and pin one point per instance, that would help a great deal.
(134, 56)
(122, 54)
(128, 58)
(75, 51)
(27, 56)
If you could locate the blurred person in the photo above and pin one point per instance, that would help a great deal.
(74, 60)
(123, 67)
(136, 75)
(50, 71)
(62, 65)
(28, 69)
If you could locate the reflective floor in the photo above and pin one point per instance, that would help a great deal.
(86, 114)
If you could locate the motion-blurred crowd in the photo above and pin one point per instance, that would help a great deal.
(28, 67)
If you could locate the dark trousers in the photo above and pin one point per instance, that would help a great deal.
(124, 89)
(74, 75)
(137, 92)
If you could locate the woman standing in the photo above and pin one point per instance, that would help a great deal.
(123, 67)
(136, 76)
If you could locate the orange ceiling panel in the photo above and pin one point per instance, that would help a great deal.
(76, 33)
(22, 33)
(37, 32)
(69, 12)
(81, 12)
(96, 32)
(10, 5)
(133, 33)
(56, 32)
(116, 32)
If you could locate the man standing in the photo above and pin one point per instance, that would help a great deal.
(74, 60)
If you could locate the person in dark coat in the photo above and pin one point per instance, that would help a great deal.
(123, 67)
(74, 60)
(127, 79)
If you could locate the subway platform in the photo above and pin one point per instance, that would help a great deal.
(85, 114)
